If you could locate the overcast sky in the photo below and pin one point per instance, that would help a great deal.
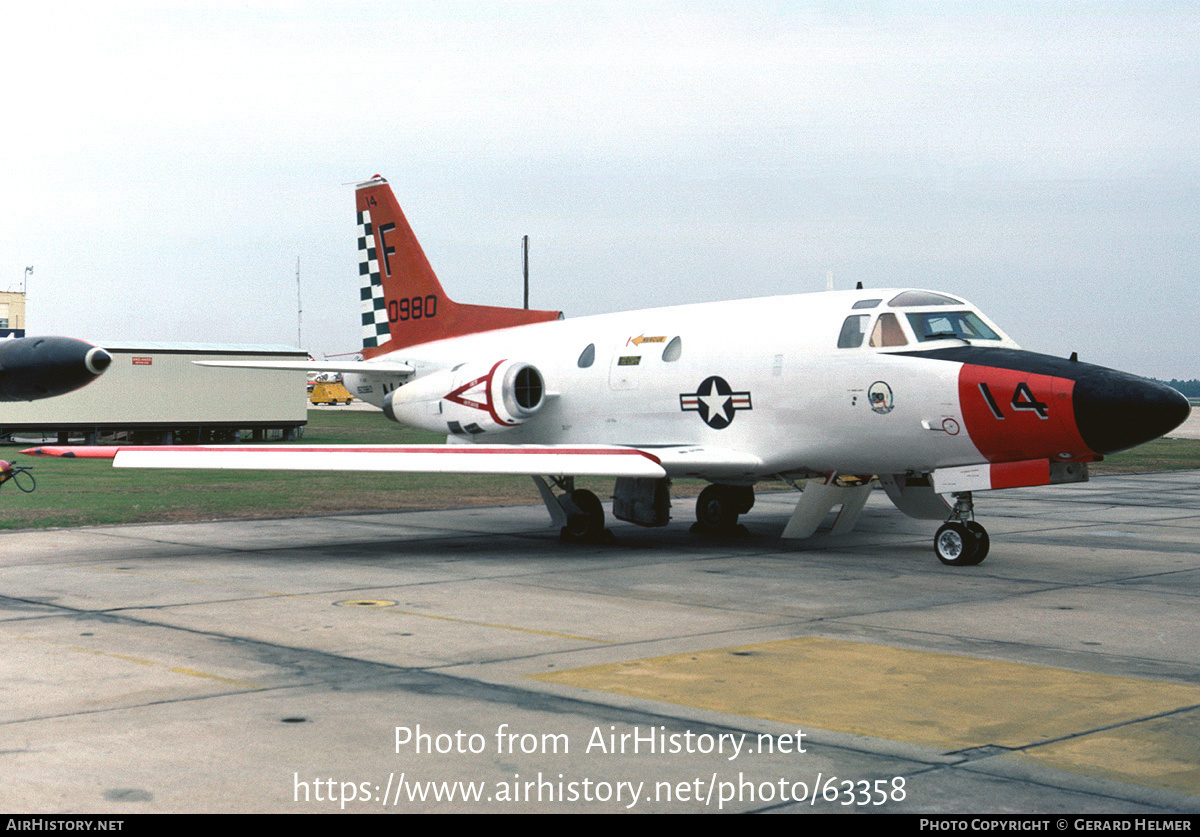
(166, 164)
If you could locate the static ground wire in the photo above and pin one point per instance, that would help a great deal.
(20, 476)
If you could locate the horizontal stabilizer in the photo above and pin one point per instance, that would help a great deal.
(530, 460)
(355, 367)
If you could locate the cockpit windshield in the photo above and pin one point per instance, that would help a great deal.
(940, 325)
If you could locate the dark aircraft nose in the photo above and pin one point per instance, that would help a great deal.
(1116, 410)
(41, 367)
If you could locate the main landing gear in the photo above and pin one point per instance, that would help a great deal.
(961, 542)
(718, 508)
(577, 510)
(585, 517)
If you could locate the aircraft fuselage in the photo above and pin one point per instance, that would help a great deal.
(768, 376)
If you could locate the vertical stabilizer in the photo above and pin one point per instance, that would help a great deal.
(403, 303)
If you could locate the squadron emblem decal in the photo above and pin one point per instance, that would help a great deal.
(715, 401)
(880, 397)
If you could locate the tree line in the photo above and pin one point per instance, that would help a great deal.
(1189, 388)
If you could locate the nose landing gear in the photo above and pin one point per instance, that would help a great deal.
(961, 542)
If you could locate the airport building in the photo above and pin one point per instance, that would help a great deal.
(12, 314)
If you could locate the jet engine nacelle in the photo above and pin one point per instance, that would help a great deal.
(470, 399)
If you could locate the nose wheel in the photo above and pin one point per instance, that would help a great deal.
(961, 542)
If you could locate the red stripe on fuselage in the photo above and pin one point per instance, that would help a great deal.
(1014, 415)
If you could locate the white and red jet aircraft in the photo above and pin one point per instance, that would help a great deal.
(916, 389)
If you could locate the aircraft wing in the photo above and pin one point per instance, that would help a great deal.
(388, 369)
(706, 462)
(532, 460)
(576, 460)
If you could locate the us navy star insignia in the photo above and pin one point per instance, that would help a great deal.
(715, 401)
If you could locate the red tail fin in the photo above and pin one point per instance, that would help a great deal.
(403, 303)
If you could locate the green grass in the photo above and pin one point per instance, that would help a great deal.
(79, 492)
(1159, 455)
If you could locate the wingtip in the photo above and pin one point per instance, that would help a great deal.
(81, 452)
(60, 452)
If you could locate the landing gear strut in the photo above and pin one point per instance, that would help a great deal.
(579, 509)
(961, 542)
(718, 507)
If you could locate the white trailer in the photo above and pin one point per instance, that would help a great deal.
(154, 393)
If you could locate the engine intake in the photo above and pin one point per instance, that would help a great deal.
(470, 399)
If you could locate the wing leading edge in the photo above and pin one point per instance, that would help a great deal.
(582, 460)
(531, 460)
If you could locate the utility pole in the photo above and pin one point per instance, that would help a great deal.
(525, 249)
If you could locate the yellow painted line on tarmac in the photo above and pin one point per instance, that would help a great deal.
(188, 671)
(937, 700)
(206, 582)
(217, 677)
(387, 607)
(495, 625)
(124, 657)
(141, 661)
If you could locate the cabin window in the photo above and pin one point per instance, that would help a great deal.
(671, 352)
(887, 332)
(588, 356)
(854, 329)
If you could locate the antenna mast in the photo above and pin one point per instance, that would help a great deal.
(299, 309)
(525, 251)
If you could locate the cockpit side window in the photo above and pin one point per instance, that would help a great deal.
(887, 332)
(854, 329)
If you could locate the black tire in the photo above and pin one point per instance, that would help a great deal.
(717, 508)
(955, 545)
(982, 542)
(588, 523)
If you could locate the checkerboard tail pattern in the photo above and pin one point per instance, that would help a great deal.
(375, 330)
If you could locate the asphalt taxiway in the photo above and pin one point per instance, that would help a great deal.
(465, 660)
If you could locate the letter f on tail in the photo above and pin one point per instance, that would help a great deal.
(403, 303)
